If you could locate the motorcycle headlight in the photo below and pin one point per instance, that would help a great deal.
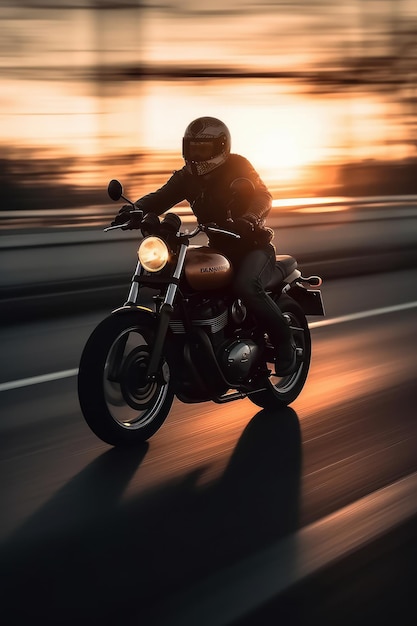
(153, 254)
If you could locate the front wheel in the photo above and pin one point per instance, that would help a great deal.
(119, 404)
(278, 391)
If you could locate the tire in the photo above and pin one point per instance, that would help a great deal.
(281, 392)
(118, 404)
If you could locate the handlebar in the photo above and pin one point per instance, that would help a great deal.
(123, 226)
(215, 229)
(205, 228)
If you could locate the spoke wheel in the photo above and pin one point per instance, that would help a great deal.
(117, 400)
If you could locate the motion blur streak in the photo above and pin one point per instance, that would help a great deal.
(320, 95)
(362, 314)
(232, 593)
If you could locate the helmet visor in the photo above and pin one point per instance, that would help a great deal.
(198, 150)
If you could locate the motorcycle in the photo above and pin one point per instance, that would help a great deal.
(183, 334)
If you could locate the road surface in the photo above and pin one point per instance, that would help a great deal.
(93, 535)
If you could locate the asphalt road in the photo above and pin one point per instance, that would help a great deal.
(93, 535)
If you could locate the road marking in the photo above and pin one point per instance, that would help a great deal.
(45, 378)
(36, 380)
(236, 591)
(363, 314)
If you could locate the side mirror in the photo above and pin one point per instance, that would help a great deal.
(115, 190)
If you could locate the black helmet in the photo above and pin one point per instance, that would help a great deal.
(205, 145)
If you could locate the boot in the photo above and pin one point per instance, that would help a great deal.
(286, 358)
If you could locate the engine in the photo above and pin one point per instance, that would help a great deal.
(209, 314)
(215, 350)
(237, 358)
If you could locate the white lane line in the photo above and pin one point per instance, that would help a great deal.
(36, 380)
(363, 314)
(232, 593)
(45, 378)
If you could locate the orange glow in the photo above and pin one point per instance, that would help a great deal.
(280, 131)
(348, 375)
(314, 204)
(76, 84)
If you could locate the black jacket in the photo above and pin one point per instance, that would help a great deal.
(211, 200)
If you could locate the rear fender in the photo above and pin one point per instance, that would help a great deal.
(310, 300)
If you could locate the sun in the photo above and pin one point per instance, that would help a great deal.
(278, 133)
(282, 139)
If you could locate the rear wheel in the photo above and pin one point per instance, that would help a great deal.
(119, 404)
(283, 391)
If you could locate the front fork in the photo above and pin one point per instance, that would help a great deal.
(165, 310)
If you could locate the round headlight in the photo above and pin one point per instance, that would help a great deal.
(153, 254)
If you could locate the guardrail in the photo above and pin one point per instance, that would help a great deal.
(47, 272)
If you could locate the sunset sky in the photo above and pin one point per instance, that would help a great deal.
(52, 97)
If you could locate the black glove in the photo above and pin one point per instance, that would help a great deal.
(135, 221)
(243, 226)
(123, 215)
(211, 225)
(264, 235)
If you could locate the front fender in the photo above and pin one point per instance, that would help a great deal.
(129, 308)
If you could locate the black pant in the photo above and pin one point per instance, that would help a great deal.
(253, 272)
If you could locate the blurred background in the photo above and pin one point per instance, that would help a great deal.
(320, 96)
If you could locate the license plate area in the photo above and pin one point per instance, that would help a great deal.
(310, 300)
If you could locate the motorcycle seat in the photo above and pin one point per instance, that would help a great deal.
(285, 266)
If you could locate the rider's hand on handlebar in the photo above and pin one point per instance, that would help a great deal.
(134, 223)
(210, 225)
(243, 226)
(123, 215)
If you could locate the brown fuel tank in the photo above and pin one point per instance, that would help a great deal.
(206, 268)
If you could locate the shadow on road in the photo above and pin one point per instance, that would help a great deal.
(94, 494)
(111, 561)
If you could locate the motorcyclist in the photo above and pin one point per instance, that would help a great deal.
(205, 182)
